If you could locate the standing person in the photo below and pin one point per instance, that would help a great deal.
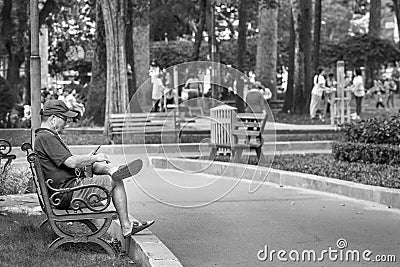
(396, 75)
(359, 91)
(193, 86)
(157, 93)
(390, 88)
(331, 87)
(66, 170)
(316, 93)
(377, 90)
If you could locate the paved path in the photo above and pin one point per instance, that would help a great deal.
(232, 231)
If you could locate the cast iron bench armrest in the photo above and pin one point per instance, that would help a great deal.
(92, 204)
(5, 149)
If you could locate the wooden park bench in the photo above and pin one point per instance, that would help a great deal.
(81, 211)
(5, 149)
(135, 123)
(246, 134)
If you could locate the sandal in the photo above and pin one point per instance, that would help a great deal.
(136, 227)
(128, 170)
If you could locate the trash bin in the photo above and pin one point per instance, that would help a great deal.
(222, 120)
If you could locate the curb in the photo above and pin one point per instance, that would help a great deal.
(144, 247)
(381, 195)
(280, 147)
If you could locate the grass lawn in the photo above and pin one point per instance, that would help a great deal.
(22, 243)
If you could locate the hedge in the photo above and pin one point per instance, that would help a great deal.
(325, 165)
(376, 130)
(366, 153)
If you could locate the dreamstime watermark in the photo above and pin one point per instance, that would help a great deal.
(339, 254)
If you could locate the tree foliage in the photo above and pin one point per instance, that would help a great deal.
(71, 25)
(356, 51)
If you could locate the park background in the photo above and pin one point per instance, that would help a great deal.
(264, 39)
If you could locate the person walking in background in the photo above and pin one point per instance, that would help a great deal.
(331, 87)
(359, 91)
(390, 89)
(157, 92)
(316, 93)
(377, 90)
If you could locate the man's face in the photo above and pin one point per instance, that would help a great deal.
(59, 123)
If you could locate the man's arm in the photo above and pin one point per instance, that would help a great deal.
(79, 161)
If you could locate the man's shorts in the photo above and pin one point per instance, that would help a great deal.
(101, 180)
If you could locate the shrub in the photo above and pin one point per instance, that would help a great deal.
(367, 153)
(15, 181)
(376, 130)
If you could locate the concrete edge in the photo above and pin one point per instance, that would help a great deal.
(186, 148)
(145, 248)
(381, 195)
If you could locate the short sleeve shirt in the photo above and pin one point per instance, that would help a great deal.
(158, 87)
(358, 83)
(319, 83)
(53, 153)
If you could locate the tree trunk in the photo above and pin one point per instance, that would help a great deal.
(114, 13)
(302, 71)
(306, 48)
(374, 28)
(96, 104)
(200, 30)
(241, 54)
(317, 33)
(268, 34)
(288, 105)
(298, 78)
(141, 54)
(14, 18)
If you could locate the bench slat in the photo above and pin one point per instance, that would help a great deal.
(246, 132)
(251, 116)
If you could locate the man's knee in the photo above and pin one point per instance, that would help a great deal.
(117, 183)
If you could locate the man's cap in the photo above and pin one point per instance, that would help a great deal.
(57, 107)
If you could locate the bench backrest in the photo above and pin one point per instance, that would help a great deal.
(38, 178)
(141, 122)
(249, 127)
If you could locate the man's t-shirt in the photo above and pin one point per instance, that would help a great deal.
(52, 153)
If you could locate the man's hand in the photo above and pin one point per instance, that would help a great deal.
(101, 157)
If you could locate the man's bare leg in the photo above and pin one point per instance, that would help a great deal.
(120, 203)
(119, 197)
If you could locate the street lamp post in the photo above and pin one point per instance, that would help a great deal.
(35, 66)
